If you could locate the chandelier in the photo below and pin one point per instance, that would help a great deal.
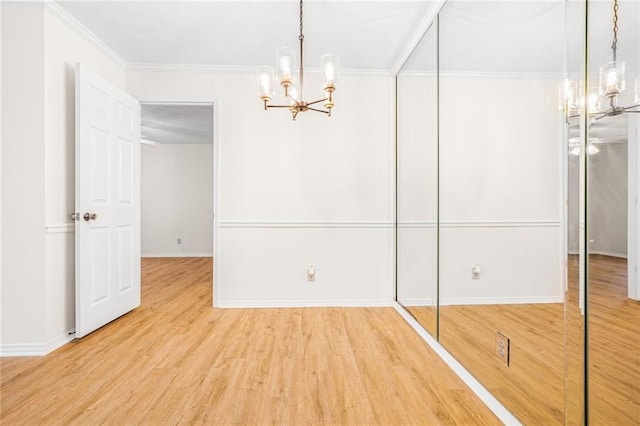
(605, 101)
(293, 85)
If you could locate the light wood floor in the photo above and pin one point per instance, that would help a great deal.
(532, 387)
(614, 345)
(177, 360)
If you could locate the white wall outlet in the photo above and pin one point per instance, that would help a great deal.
(311, 273)
(475, 272)
(179, 240)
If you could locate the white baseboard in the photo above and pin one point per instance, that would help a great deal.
(59, 342)
(34, 349)
(603, 253)
(338, 303)
(485, 396)
(25, 349)
(608, 253)
(177, 255)
(417, 302)
(500, 300)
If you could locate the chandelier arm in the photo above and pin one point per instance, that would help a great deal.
(278, 106)
(327, 112)
(318, 101)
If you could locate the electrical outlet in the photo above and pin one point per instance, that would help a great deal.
(502, 348)
(311, 273)
(179, 240)
(475, 272)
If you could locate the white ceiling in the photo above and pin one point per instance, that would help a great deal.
(177, 123)
(475, 36)
(527, 36)
(367, 35)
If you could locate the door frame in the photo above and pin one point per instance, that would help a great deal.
(633, 230)
(216, 170)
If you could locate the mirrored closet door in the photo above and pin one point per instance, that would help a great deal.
(417, 182)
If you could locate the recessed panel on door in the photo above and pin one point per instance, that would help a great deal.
(125, 264)
(100, 249)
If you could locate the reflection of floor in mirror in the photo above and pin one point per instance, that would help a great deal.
(426, 316)
(614, 345)
(532, 386)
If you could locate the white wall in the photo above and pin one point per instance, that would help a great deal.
(23, 187)
(607, 199)
(318, 191)
(39, 55)
(500, 182)
(417, 188)
(177, 200)
(0, 172)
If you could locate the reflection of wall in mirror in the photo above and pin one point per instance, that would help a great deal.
(500, 190)
(608, 192)
(417, 189)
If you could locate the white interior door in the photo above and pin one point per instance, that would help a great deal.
(107, 202)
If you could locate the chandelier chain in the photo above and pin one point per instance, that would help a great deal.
(614, 46)
(301, 37)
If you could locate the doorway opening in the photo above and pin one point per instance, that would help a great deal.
(177, 194)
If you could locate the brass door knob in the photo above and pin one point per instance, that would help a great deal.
(90, 216)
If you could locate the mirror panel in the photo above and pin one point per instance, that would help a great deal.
(501, 267)
(417, 182)
(574, 189)
(613, 315)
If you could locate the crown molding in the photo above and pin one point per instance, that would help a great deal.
(234, 69)
(417, 36)
(487, 74)
(190, 68)
(56, 10)
(23, 3)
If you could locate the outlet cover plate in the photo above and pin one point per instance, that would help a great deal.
(502, 348)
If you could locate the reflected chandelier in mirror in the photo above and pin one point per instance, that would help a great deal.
(604, 102)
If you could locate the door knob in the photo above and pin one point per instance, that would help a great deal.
(90, 216)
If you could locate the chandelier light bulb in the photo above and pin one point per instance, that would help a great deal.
(266, 88)
(285, 64)
(612, 81)
(571, 90)
(329, 66)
